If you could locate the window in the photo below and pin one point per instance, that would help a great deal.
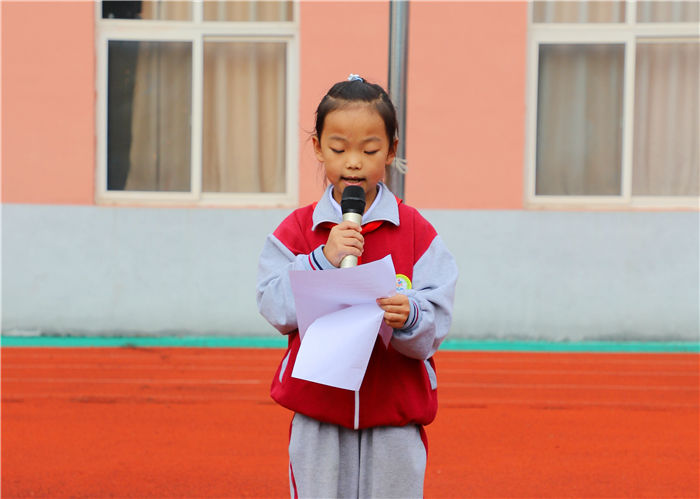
(613, 103)
(197, 102)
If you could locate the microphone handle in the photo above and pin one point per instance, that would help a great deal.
(350, 260)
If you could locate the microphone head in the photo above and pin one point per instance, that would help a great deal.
(353, 200)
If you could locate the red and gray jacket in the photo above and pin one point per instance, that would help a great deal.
(400, 383)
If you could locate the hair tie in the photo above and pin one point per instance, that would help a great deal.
(354, 77)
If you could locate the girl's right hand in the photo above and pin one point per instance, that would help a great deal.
(344, 239)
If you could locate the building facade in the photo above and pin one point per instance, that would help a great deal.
(149, 147)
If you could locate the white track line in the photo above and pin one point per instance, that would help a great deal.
(446, 358)
(593, 372)
(553, 404)
(97, 397)
(546, 386)
(150, 381)
(238, 368)
(208, 381)
(144, 367)
(555, 358)
(445, 404)
(134, 355)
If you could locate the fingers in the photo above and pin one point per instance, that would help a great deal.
(349, 236)
(346, 224)
(396, 310)
(344, 239)
(350, 239)
(395, 321)
(397, 300)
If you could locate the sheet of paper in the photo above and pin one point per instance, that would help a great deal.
(318, 293)
(337, 347)
(339, 320)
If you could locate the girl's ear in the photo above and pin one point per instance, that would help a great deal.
(392, 152)
(317, 148)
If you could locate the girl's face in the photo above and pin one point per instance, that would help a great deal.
(354, 149)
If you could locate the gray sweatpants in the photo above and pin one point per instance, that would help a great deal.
(328, 461)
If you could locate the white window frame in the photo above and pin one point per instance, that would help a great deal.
(196, 31)
(624, 33)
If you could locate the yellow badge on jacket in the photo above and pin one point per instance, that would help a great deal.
(403, 283)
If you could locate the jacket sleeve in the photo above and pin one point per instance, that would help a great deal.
(273, 289)
(431, 299)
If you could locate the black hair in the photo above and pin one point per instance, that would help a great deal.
(347, 92)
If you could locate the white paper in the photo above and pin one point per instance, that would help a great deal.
(336, 348)
(319, 293)
(339, 319)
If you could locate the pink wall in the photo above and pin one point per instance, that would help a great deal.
(466, 93)
(48, 96)
(337, 38)
(466, 105)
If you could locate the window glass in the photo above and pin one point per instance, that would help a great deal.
(612, 11)
(579, 116)
(666, 129)
(161, 10)
(194, 113)
(270, 11)
(149, 113)
(243, 134)
(668, 11)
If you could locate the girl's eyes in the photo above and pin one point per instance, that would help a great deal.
(340, 151)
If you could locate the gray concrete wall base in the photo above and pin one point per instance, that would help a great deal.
(557, 276)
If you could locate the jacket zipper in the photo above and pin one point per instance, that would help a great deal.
(357, 409)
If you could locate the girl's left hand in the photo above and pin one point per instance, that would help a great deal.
(396, 309)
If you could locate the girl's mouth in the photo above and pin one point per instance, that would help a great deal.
(352, 180)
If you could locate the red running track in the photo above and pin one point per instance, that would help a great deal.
(189, 422)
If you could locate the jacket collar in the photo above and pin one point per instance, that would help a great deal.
(384, 208)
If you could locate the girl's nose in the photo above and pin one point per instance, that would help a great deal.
(354, 161)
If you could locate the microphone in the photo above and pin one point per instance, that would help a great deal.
(352, 206)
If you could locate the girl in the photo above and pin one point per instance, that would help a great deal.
(369, 443)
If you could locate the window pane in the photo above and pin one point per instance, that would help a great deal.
(548, 11)
(668, 11)
(666, 131)
(161, 10)
(579, 117)
(254, 10)
(243, 145)
(148, 116)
